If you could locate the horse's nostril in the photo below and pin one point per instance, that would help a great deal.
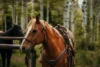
(23, 48)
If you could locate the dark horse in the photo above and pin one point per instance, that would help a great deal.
(7, 53)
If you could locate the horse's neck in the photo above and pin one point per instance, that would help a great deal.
(8, 33)
(54, 43)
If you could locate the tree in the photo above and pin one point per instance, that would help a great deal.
(48, 8)
(66, 14)
(23, 15)
(41, 9)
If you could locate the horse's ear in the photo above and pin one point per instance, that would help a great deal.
(37, 19)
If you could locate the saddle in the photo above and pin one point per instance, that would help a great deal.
(69, 42)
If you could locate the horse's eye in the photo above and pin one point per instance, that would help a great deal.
(34, 31)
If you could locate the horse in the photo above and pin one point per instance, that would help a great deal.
(7, 53)
(54, 49)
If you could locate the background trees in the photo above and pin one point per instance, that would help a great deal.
(83, 22)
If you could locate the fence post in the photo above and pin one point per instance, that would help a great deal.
(33, 59)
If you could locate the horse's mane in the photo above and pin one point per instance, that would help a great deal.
(52, 29)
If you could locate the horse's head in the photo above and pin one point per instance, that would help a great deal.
(17, 31)
(34, 34)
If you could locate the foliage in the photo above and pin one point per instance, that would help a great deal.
(87, 54)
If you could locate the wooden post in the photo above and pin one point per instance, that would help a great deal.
(33, 59)
(30, 58)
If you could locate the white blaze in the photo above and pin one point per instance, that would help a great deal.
(28, 31)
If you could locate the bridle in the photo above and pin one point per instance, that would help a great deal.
(52, 63)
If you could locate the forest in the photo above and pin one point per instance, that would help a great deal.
(83, 20)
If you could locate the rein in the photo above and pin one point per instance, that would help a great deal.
(52, 63)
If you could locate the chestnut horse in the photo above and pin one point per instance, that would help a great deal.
(54, 49)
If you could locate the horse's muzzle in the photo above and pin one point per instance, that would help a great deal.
(25, 50)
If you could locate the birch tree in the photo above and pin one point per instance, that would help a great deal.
(48, 7)
(66, 13)
(32, 6)
(16, 11)
(88, 29)
(41, 9)
(84, 9)
(22, 16)
(72, 15)
(26, 13)
(91, 18)
(13, 12)
(84, 19)
(99, 31)
(91, 13)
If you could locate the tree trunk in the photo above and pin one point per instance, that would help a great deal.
(41, 9)
(66, 14)
(13, 12)
(91, 19)
(99, 31)
(72, 16)
(22, 16)
(84, 20)
(84, 9)
(32, 6)
(48, 6)
(88, 30)
(26, 14)
(17, 12)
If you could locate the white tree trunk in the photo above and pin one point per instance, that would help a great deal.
(99, 31)
(91, 17)
(22, 17)
(17, 12)
(26, 15)
(41, 9)
(84, 8)
(91, 12)
(72, 16)
(13, 13)
(32, 6)
(66, 14)
(48, 6)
